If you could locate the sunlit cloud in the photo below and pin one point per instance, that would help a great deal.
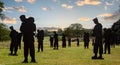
(88, 2)
(110, 17)
(115, 16)
(92, 2)
(46, 8)
(84, 19)
(20, 9)
(9, 20)
(18, 0)
(105, 15)
(67, 6)
(80, 3)
(31, 1)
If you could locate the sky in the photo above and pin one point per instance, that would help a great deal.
(61, 13)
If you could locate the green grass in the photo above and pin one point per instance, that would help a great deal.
(64, 56)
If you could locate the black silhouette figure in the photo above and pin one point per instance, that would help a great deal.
(107, 40)
(51, 41)
(77, 42)
(93, 41)
(113, 39)
(28, 28)
(86, 40)
(14, 41)
(40, 37)
(69, 42)
(63, 41)
(19, 40)
(98, 46)
(55, 41)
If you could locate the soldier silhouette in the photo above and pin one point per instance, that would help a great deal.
(86, 40)
(40, 37)
(19, 40)
(28, 28)
(51, 41)
(107, 40)
(55, 41)
(98, 46)
(77, 41)
(69, 42)
(14, 41)
(63, 41)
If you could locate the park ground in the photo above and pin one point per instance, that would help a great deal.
(64, 56)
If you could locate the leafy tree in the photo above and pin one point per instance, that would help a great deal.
(59, 31)
(75, 26)
(116, 27)
(1, 6)
(74, 30)
(4, 31)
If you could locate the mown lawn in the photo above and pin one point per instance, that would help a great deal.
(64, 56)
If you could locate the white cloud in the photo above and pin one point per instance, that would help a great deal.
(107, 4)
(105, 7)
(7, 8)
(88, 2)
(31, 1)
(18, 0)
(9, 20)
(54, 0)
(84, 19)
(46, 8)
(67, 6)
(20, 9)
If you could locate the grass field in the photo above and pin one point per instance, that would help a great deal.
(64, 56)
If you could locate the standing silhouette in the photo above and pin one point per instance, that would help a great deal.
(77, 41)
(86, 40)
(19, 40)
(93, 41)
(98, 46)
(69, 41)
(107, 40)
(40, 37)
(51, 41)
(14, 41)
(63, 41)
(113, 39)
(28, 28)
(55, 41)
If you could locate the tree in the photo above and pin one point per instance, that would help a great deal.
(116, 27)
(4, 31)
(59, 31)
(74, 30)
(1, 6)
(75, 26)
